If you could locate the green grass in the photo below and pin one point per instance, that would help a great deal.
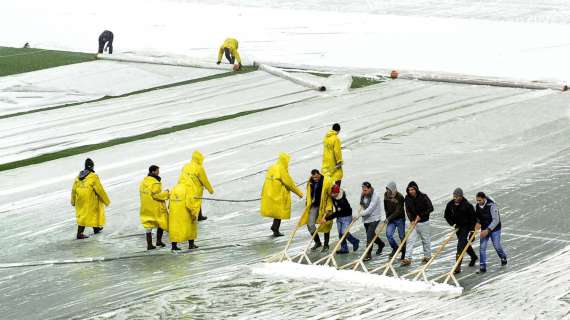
(114, 142)
(176, 84)
(20, 60)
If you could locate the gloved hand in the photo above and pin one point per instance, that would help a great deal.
(218, 62)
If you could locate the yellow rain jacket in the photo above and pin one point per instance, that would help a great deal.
(153, 204)
(182, 222)
(332, 156)
(277, 188)
(325, 206)
(89, 199)
(231, 44)
(194, 176)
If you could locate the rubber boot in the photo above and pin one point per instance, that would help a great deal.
(317, 243)
(80, 234)
(327, 239)
(149, 245)
(191, 245)
(159, 242)
(97, 230)
(175, 246)
(201, 217)
(275, 228)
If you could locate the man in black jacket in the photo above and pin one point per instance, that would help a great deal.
(106, 37)
(460, 212)
(418, 208)
(343, 215)
(395, 216)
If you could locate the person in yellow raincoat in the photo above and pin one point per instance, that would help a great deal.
(182, 220)
(332, 155)
(153, 206)
(89, 199)
(229, 48)
(194, 176)
(276, 193)
(318, 205)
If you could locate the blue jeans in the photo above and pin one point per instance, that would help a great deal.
(342, 224)
(496, 239)
(391, 228)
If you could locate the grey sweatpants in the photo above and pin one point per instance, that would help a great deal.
(423, 231)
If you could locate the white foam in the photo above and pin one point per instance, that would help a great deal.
(313, 273)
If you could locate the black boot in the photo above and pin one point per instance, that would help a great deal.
(327, 239)
(473, 261)
(149, 245)
(381, 246)
(201, 217)
(80, 234)
(175, 246)
(275, 228)
(159, 242)
(191, 245)
(403, 255)
(392, 253)
(317, 243)
(97, 230)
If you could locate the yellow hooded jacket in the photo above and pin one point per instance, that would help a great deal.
(182, 222)
(332, 156)
(325, 205)
(231, 44)
(194, 176)
(153, 204)
(277, 188)
(89, 199)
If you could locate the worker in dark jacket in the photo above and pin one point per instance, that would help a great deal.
(418, 208)
(395, 216)
(343, 215)
(106, 41)
(489, 222)
(460, 212)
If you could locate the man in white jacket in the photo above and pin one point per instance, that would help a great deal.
(372, 212)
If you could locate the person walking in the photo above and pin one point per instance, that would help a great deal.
(276, 193)
(372, 212)
(183, 219)
(395, 217)
(418, 209)
(318, 205)
(343, 215)
(89, 199)
(194, 175)
(489, 222)
(332, 155)
(153, 212)
(460, 212)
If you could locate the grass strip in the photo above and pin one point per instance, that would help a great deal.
(166, 86)
(114, 142)
(20, 60)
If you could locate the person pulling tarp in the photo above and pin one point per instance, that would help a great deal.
(106, 42)
(230, 49)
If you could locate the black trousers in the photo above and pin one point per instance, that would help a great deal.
(370, 233)
(102, 46)
(229, 56)
(462, 238)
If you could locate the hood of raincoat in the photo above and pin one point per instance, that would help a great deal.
(331, 133)
(84, 173)
(414, 185)
(198, 157)
(284, 159)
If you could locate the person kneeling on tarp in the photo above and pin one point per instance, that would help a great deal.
(318, 204)
(106, 42)
(276, 193)
(89, 199)
(183, 222)
(372, 213)
(229, 48)
(343, 215)
(153, 206)
(194, 176)
(460, 212)
(489, 222)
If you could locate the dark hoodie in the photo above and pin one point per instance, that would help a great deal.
(420, 205)
(461, 215)
(394, 206)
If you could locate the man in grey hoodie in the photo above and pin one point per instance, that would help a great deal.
(372, 212)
